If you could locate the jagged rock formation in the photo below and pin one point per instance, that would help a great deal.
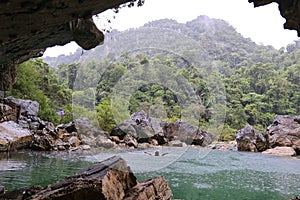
(109, 179)
(141, 128)
(249, 139)
(28, 27)
(284, 132)
(20, 128)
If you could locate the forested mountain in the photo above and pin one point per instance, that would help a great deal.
(202, 71)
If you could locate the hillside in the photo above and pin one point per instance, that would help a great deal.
(202, 71)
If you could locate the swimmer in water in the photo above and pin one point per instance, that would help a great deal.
(156, 153)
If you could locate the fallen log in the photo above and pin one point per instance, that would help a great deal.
(110, 179)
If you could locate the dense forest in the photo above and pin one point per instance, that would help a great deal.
(202, 71)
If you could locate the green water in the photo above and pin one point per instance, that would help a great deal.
(191, 173)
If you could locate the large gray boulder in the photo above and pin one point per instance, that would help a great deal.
(149, 130)
(24, 112)
(249, 139)
(187, 133)
(139, 126)
(28, 107)
(285, 132)
(13, 137)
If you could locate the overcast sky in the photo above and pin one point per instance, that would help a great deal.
(263, 24)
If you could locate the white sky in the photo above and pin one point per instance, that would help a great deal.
(263, 24)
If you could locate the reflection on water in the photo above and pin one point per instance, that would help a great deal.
(29, 168)
(191, 173)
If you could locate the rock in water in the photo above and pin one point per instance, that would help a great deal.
(109, 179)
(146, 189)
(249, 139)
(285, 131)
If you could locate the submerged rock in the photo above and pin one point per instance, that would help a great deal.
(109, 179)
(249, 139)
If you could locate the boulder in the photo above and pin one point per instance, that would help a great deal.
(74, 141)
(149, 130)
(88, 140)
(130, 141)
(28, 107)
(102, 141)
(139, 126)
(146, 189)
(249, 139)
(9, 113)
(285, 132)
(56, 138)
(224, 146)
(109, 179)
(281, 151)
(13, 137)
(44, 143)
(187, 133)
(85, 127)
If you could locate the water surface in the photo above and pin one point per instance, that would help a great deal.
(191, 173)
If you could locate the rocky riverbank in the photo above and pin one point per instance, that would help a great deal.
(280, 138)
(22, 129)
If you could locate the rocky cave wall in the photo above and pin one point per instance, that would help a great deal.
(28, 27)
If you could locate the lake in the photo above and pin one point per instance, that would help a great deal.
(192, 173)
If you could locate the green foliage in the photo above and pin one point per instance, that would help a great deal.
(227, 133)
(259, 81)
(36, 82)
(105, 115)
